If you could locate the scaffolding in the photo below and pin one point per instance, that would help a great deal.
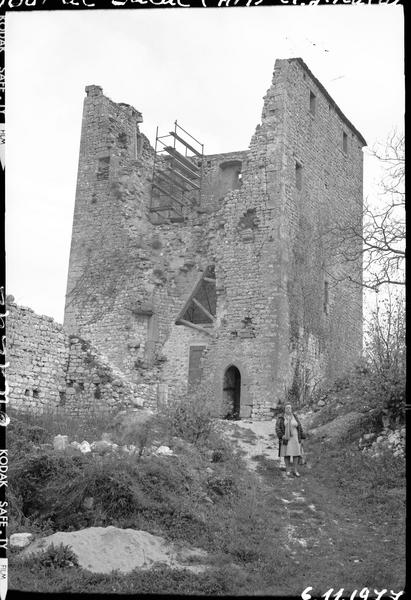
(177, 174)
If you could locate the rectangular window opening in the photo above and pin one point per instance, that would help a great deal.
(313, 99)
(298, 176)
(194, 365)
(103, 168)
(345, 142)
(326, 297)
(326, 179)
(139, 144)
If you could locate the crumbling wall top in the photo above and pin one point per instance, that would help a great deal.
(94, 91)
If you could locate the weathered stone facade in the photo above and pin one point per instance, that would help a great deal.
(49, 370)
(282, 317)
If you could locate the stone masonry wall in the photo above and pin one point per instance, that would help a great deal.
(264, 222)
(324, 305)
(127, 277)
(253, 334)
(50, 370)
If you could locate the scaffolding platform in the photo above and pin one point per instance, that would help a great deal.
(177, 174)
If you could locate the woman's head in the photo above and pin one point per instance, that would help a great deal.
(288, 409)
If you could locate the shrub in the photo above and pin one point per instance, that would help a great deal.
(222, 451)
(22, 435)
(141, 435)
(222, 485)
(58, 557)
(191, 418)
(32, 474)
(55, 487)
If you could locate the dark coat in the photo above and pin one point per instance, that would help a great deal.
(280, 429)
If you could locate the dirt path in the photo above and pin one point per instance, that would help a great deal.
(331, 546)
(255, 440)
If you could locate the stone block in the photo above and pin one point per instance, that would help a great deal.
(20, 540)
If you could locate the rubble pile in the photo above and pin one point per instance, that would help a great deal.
(375, 444)
(105, 445)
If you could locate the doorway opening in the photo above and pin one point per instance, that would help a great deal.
(231, 393)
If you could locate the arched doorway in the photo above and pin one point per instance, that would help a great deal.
(231, 393)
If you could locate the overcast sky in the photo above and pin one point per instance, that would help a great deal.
(209, 68)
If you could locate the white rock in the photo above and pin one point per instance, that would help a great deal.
(75, 445)
(369, 436)
(20, 540)
(60, 442)
(85, 447)
(164, 451)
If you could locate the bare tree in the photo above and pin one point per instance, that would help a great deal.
(385, 354)
(385, 347)
(379, 236)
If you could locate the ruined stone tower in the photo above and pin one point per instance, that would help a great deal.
(233, 286)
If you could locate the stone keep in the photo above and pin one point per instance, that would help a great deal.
(283, 314)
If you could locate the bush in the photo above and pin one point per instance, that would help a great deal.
(125, 491)
(222, 485)
(57, 557)
(191, 418)
(386, 353)
(32, 475)
(140, 434)
(218, 455)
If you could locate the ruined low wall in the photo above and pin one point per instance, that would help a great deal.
(50, 370)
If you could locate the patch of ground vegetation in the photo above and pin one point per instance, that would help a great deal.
(347, 516)
(203, 496)
(337, 526)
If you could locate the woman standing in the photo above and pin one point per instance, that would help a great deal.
(290, 433)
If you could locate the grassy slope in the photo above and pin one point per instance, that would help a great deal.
(355, 536)
(348, 518)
